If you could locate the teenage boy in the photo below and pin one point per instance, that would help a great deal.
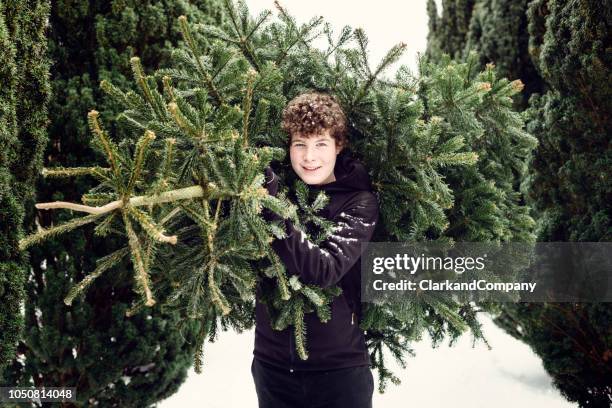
(336, 373)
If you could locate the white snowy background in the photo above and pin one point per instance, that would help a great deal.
(510, 375)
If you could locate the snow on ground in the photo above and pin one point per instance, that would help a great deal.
(508, 376)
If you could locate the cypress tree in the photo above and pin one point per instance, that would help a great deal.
(559, 50)
(570, 187)
(91, 345)
(12, 270)
(448, 30)
(495, 29)
(498, 33)
(24, 72)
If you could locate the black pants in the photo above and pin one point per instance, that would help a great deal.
(345, 387)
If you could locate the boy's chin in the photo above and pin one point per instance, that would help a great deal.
(312, 180)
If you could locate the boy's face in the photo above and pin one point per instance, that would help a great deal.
(313, 158)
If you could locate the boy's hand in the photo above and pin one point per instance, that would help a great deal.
(271, 183)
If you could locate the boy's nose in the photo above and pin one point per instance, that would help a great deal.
(308, 154)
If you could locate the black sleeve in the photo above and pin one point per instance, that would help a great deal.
(324, 265)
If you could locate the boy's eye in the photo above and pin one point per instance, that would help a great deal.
(321, 144)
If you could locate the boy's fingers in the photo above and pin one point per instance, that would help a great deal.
(271, 181)
(269, 175)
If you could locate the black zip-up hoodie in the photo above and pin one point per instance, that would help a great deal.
(338, 343)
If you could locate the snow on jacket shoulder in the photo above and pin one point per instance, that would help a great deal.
(326, 264)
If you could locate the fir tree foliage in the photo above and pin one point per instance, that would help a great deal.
(220, 105)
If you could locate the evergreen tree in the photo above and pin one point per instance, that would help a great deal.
(573, 341)
(24, 72)
(205, 129)
(495, 29)
(571, 180)
(111, 359)
(569, 184)
(449, 29)
(571, 187)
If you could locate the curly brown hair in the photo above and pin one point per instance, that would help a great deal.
(312, 113)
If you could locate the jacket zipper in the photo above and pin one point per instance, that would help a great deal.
(291, 352)
(352, 318)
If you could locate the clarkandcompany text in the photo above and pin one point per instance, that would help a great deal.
(430, 285)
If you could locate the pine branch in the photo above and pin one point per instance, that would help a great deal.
(246, 108)
(201, 338)
(362, 41)
(263, 16)
(216, 295)
(153, 100)
(392, 56)
(186, 31)
(96, 199)
(104, 227)
(299, 34)
(81, 208)
(167, 85)
(142, 275)
(139, 158)
(278, 271)
(185, 124)
(216, 32)
(45, 234)
(104, 264)
(108, 146)
(299, 329)
(243, 42)
(98, 172)
(149, 226)
(163, 177)
(211, 191)
(114, 92)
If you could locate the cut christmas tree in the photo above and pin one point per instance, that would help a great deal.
(183, 193)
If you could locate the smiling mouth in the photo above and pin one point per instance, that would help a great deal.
(311, 168)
